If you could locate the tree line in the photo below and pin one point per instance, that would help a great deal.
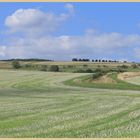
(30, 59)
(96, 60)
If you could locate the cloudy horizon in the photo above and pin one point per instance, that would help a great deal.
(81, 30)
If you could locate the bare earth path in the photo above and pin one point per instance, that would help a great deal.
(38, 104)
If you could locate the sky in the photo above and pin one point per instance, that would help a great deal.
(62, 31)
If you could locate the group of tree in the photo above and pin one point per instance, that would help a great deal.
(97, 60)
(80, 59)
(103, 60)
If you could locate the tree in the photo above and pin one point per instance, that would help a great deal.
(16, 64)
(74, 59)
(54, 68)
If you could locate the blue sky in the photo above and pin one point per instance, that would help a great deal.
(62, 31)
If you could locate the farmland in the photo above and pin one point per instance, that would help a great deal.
(65, 66)
(69, 69)
(53, 104)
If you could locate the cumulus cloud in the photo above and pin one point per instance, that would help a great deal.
(2, 51)
(34, 21)
(103, 44)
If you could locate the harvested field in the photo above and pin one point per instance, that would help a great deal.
(38, 104)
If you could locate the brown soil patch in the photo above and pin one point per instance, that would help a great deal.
(104, 80)
(125, 75)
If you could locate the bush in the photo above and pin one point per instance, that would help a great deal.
(16, 64)
(43, 67)
(97, 75)
(54, 68)
(123, 66)
(118, 70)
(89, 71)
(97, 70)
(31, 67)
(121, 70)
(100, 72)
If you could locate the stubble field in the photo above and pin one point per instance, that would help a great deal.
(38, 104)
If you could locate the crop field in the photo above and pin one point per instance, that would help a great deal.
(39, 104)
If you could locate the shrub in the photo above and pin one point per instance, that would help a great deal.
(43, 67)
(97, 70)
(89, 71)
(97, 75)
(31, 67)
(118, 70)
(123, 66)
(16, 64)
(54, 68)
(121, 70)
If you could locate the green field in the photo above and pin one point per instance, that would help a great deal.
(38, 104)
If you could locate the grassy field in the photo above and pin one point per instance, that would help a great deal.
(38, 104)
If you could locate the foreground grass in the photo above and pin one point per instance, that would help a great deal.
(37, 104)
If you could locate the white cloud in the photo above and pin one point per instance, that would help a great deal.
(34, 21)
(102, 44)
(2, 51)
